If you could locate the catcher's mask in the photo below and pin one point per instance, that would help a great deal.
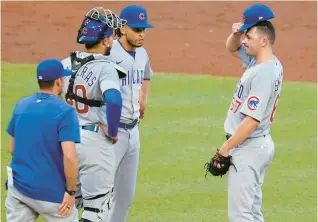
(99, 23)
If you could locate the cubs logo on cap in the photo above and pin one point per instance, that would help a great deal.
(253, 102)
(135, 17)
(84, 31)
(254, 14)
(142, 16)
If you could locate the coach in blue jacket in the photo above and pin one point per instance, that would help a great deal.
(43, 171)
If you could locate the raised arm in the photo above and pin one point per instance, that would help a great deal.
(233, 42)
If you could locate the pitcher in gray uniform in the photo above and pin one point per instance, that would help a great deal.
(251, 113)
(128, 53)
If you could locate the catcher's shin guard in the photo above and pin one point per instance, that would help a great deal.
(96, 209)
(85, 220)
(79, 202)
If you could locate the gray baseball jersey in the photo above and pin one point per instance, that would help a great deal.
(91, 81)
(137, 69)
(126, 150)
(256, 94)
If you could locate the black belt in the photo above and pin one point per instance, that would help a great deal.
(227, 136)
(129, 125)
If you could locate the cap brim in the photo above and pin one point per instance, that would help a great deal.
(247, 26)
(244, 27)
(140, 25)
(67, 72)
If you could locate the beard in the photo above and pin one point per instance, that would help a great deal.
(107, 51)
(133, 44)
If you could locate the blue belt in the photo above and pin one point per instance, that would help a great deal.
(93, 128)
(129, 125)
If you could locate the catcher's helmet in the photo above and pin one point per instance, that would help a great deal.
(99, 23)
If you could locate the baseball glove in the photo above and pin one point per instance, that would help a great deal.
(223, 162)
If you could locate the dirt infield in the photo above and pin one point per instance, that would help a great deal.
(189, 37)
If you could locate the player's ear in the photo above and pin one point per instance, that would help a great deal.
(122, 30)
(264, 41)
(59, 82)
(105, 42)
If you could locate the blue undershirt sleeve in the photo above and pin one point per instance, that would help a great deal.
(113, 110)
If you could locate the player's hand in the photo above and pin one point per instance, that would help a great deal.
(142, 114)
(224, 152)
(235, 27)
(110, 138)
(143, 106)
(67, 205)
(113, 139)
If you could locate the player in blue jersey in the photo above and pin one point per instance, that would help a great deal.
(43, 131)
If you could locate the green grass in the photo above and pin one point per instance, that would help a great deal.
(182, 128)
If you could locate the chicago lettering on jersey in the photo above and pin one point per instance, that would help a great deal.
(89, 77)
(133, 78)
(278, 81)
(239, 89)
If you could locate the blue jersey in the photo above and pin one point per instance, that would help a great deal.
(39, 124)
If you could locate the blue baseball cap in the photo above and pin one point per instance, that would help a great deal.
(254, 14)
(135, 16)
(51, 69)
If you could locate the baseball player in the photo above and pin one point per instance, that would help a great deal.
(251, 113)
(93, 90)
(128, 52)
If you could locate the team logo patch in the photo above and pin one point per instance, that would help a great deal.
(141, 16)
(84, 31)
(253, 102)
